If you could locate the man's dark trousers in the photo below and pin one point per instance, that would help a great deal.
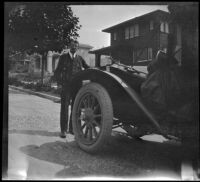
(65, 102)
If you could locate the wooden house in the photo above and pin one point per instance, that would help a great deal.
(136, 41)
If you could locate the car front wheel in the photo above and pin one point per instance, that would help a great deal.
(92, 117)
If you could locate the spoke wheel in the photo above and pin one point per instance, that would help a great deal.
(89, 116)
(92, 117)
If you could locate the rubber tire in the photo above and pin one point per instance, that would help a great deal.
(107, 116)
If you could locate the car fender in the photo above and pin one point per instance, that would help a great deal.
(106, 78)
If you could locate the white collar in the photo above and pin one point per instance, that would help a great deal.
(71, 55)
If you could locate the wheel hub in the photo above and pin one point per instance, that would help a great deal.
(88, 115)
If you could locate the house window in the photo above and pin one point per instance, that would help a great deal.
(141, 55)
(37, 63)
(127, 33)
(151, 25)
(164, 27)
(131, 31)
(134, 31)
(150, 53)
(115, 36)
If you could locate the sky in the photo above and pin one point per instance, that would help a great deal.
(95, 18)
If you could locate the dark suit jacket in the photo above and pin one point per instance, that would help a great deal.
(67, 67)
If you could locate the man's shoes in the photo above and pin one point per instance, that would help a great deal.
(63, 135)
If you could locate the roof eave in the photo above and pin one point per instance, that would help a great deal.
(109, 29)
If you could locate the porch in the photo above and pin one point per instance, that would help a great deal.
(125, 54)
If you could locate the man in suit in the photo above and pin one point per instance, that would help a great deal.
(69, 64)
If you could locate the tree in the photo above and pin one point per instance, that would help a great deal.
(185, 15)
(39, 27)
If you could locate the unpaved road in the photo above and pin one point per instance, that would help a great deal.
(35, 150)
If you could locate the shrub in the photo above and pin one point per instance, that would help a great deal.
(14, 81)
(29, 86)
(18, 75)
(32, 82)
(57, 91)
(38, 86)
(46, 86)
(20, 68)
(35, 75)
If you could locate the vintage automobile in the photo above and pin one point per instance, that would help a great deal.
(110, 96)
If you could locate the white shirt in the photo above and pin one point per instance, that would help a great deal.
(71, 55)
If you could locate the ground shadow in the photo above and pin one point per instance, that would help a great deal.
(35, 132)
(122, 157)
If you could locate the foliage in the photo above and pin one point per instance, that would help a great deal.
(42, 87)
(29, 86)
(45, 86)
(38, 27)
(20, 68)
(190, 11)
(19, 76)
(41, 26)
(14, 81)
(33, 83)
(57, 91)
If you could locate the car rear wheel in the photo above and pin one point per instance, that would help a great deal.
(92, 117)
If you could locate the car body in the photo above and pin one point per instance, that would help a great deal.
(116, 89)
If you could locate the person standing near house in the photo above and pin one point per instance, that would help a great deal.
(69, 64)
